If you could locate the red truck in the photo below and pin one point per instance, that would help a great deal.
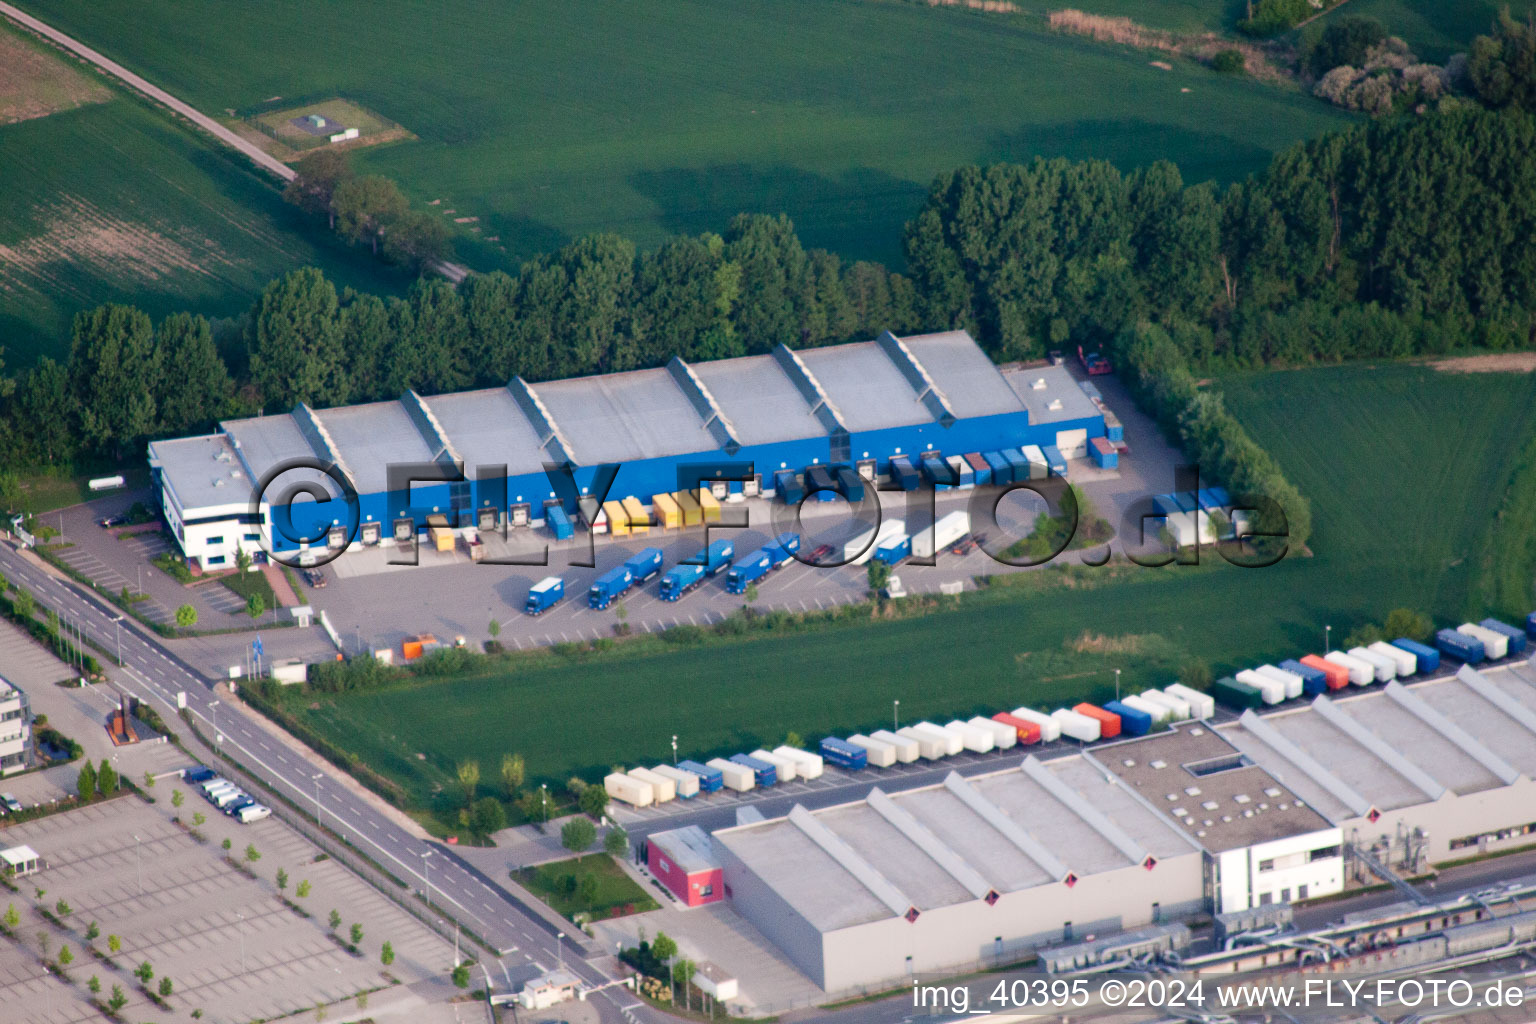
(1095, 364)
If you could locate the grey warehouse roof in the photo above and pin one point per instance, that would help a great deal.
(204, 470)
(1060, 386)
(625, 417)
(1003, 832)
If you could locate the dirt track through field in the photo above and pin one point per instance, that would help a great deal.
(1499, 362)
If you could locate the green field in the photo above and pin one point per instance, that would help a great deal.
(1433, 29)
(548, 120)
(617, 893)
(115, 203)
(1405, 468)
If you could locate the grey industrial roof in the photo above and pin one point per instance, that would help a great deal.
(267, 441)
(1007, 867)
(625, 417)
(1250, 805)
(687, 846)
(1381, 783)
(1439, 757)
(489, 429)
(1288, 773)
(762, 403)
(866, 386)
(969, 380)
(1059, 384)
(203, 470)
(803, 875)
(1494, 728)
(370, 438)
(901, 861)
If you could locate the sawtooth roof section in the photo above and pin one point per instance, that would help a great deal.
(762, 403)
(810, 388)
(1379, 748)
(1079, 805)
(917, 375)
(489, 428)
(431, 430)
(551, 439)
(882, 889)
(626, 417)
(1502, 769)
(1308, 765)
(715, 420)
(1012, 830)
(371, 438)
(935, 847)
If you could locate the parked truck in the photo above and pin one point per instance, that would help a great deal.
(716, 558)
(763, 773)
(749, 568)
(945, 533)
(680, 579)
(782, 551)
(843, 754)
(644, 564)
(610, 586)
(1460, 646)
(894, 550)
(544, 595)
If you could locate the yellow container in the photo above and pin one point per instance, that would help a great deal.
(689, 508)
(668, 515)
(639, 521)
(709, 505)
(618, 522)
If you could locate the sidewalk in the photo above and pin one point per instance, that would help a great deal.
(278, 581)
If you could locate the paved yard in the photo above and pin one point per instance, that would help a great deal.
(231, 947)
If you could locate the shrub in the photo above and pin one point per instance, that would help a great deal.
(1228, 62)
(1345, 40)
(186, 616)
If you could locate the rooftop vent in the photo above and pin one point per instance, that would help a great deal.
(1179, 812)
(1192, 790)
(1054, 405)
(1242, 798)
(1209, 805)
(1271, 791)
(222, 455)
(1283, 807)
(1038, 385)
(1129, 763)
(1227, 818)
(1247, 814)
(1201, 833)
(1159, 764)
(1197, 731)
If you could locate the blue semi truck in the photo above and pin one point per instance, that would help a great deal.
(544, 595)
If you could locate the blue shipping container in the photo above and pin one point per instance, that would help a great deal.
(1054, 459)
(1516, 637)
(763, 773)
(787, 484)
(1132, 722)
(1530, 625)
(893, 551)
(844, 754)
(710, 779)
(819, 481)
(850, 483)
(1429, 658)
(903, 475)
(644, 564)
(1113, 430)
(1018, 465)
(1460, 646)
(714, 559)
(938, 472)
(1002, 469)
(1313, 681)
(558, 522)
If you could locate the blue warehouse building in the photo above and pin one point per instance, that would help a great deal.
(658, 429)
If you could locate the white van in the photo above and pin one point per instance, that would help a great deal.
(228, 797)
(255, 812)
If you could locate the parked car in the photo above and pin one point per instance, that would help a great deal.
(821, 553)
(121, 519)
(315, 578)
(11, 803)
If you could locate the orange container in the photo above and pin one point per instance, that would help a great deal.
(1109, 722)
(411, 649)
(1338, 675)
(1029, 732)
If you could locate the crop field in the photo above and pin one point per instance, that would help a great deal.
(280, 132)
(1433, 29)
(33, 83)
(548, 120)
(1405, 467)
(113, 203)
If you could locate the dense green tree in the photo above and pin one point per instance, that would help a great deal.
(487, 816)
(85, 782)
(44, 411)
(490, 309)
(417, 240)
(1502, 66)
(777, 286)
(578, 835)
(196, 382)
(366, 335)
(295, 346)
(106, 778)
(683, 295)
(114, 373)
(319, 174)
(1344, 40)
(365, 207)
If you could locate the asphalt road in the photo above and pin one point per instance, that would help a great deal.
(151, 674)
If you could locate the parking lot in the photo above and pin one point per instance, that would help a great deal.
(233, 949)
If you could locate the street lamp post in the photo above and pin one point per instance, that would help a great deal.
(316, 778)
(119, 626)
(674, 751)
(426, 876)
(138, 864)
(895, 715)
(543, 801)
(1117, 684)
(560, 948)
(1327, 641)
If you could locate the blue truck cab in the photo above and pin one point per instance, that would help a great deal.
(544, 595)
(749, 568)
(680, 579)
(610, 585)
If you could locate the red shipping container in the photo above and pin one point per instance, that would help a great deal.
(1029, 732)
(1338, 675)
(1109, 722)
(977, 463)
(1102, 446)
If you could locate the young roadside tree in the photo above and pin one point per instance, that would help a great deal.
(66, 956)
(616, 842)
(487, 816)
(114, 944)
(177, 798)
(117, 1000)
(255, 605)
(302, 890)
(386, 954)
(357, 934)
(461, 976)
(335, 920)
(85, 782)
(165, 988)
(144, 972)
(282, 880)
(593, 801)
(513, 774)
(578, 835)
(186, 616)
(106, 778)
(469, 777)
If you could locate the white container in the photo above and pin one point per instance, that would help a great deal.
(1050, 729)
(1495, 645)
(953, 742)
(1178, 707)
(1004, 737)
(1159, 713)
(1272, 689)
(889, 530)
(905, 747)
(1201, 705)
(662, 788)
(1076, 726)
(864, 542)
(979, 741)
(807, 764)
(686, 783)
(735, 776)
(929, 746)
(786, 769)
(1039, 469)
(1360, 673)
(1407, 664)
(1293, 683)
(881, 755)
(629, 790)
(1385, 668)
(950, 528)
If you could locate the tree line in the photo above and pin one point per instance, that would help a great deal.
(1390, 238)
(596, 305)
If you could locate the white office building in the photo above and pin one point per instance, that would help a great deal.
(15, 730)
